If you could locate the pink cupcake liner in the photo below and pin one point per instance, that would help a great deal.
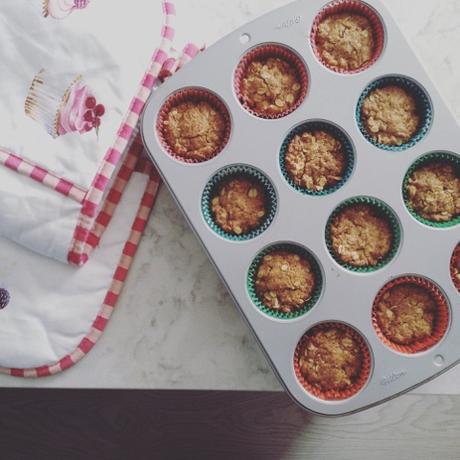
(356, 7)
(263, 52)
(192, 95)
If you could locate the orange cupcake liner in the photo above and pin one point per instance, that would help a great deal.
(441, 323)
(192, 95)
(454, 263)
(265, 52)
(335, 395)
(357, 7)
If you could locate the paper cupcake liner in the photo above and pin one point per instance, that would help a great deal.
(350, 6)
(333, 131)
(192, 95)
(335, 395)
(453, 270)
(423, 106)
(386, 212)
(424, 160)
(442, 317)
(265, 52)
(238, 171)
(309, 304)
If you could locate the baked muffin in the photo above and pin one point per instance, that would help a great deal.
(345, 41)
(455, 267)
(331, 358)
(361, 235)
(433, 191)
(406, 314)
(195, 130)
(271, 86)
(315, 160)
(284, 281)
(390, 115)
(239, 206)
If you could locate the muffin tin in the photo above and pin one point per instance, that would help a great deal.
(255, 145)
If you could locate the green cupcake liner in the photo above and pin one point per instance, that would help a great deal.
(238, 171)
(428, 158)
(333, 131)
(387, 212)
(423, 103)
(311, 302)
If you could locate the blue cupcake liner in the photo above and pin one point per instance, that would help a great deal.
(238, 171)
(333, 131)
(387, 213)
(308, 305)
(423, 103)
(424, 160)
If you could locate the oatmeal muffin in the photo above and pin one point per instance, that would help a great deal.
(284, 281)
(331, 358)
(406, 314)
(433, 191)
(195, 130)
(390, 115)
(345, 41)
(315, 160)
(361, 235)
(239, 206)
(271, 86)
(455, 267)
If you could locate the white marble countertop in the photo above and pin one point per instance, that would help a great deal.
(175, 326)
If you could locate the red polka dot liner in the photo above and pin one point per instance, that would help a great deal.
(359, 382)
(441, 320)
(264, 52)
(455, 267)
(194, 95)
(354, 7)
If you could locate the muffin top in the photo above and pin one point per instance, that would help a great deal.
(195, 130)
(239, 206)
(271, 86)
(361, 236)
(390, 115)
(433, 191)
(331, 358)
(345, 41)
(284, 281)
(406, 314)
(456, 267)
(315, 160)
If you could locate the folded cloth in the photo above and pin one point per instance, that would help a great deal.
(74, 181)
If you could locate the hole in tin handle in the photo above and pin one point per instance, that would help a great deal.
(245, 38)
(439, 360)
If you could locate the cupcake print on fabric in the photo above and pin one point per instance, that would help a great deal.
(60, 9)
(63, 107)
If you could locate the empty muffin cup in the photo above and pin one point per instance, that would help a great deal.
(394, 113)
(347, 36)
(285, 281)
(271, 81)
(317, 158)
(410, 314)
(239, 203)
(332, 361)
(193, 125)
(455, 267)
(363, 234)
(431, 190)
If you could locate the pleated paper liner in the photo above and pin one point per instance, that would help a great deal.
(423, 161)
(424, 110)
(383, 210)
(330, 394)
(308, 305)
(194, 95)
(238, 171)
(455, 267)
(263, 52)
(335, 132)
(353, 7)
(441, 322)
